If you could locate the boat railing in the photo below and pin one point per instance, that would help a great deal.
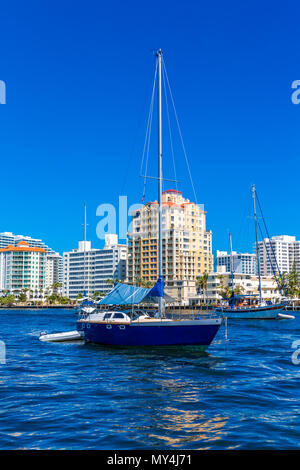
(195, 315)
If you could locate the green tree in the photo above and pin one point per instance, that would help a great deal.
(282, 283)
(96, 295)
(7, 300)
(293, 282)
(201, 283)
(223, 289)
(22, 297)
(239, 289)
(140, 282)
(55, 286)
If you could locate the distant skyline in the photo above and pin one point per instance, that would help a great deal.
(78, 83)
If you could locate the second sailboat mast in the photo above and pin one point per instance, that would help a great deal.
(256, 239)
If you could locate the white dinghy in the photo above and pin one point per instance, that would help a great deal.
(61, 337)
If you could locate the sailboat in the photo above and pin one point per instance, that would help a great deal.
(250, 306)
(123, 329)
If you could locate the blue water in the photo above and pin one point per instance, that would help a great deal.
(241, 394)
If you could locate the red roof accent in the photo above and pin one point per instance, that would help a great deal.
(172, 191)
(22, 246)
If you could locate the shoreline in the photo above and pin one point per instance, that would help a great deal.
(35, 307)
(169, 310)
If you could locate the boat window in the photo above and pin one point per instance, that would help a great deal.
(118, 315)
(107, 316)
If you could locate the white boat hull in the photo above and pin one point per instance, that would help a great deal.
(62, 337)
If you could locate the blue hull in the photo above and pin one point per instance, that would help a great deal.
(258, 313)
(147, 335)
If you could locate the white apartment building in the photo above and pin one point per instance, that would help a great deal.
(247, 282)
(87, 269)
(244, 263)
(284, 249)
(52, 269)
(23, 270)
(53, 273)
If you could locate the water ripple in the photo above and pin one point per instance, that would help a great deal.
(241, 394)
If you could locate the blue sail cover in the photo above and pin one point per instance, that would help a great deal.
(158, 289)
(124, 294)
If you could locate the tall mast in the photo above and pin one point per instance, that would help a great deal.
(84, 222)
(84, 248)
(256, 237)
(231, 264)
(160, 268)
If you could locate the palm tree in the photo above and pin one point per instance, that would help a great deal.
(201, 283)
(282, 283)
(22, 297)
(96, 295)
(239, 289)
(224, 290)
(293, 282)
(55, 286)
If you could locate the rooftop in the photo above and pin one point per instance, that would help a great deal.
(22, 246)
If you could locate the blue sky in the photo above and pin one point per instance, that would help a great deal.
(78, 77)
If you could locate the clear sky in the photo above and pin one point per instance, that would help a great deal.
(78, 78)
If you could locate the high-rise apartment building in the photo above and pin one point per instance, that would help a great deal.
(53, 261)
(243, 263)
(23, 267)
(54, 271)
(283, 250)
(87, 269)
(187, 245)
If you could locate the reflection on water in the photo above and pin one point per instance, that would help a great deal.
(190, 427)
(242, 393)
